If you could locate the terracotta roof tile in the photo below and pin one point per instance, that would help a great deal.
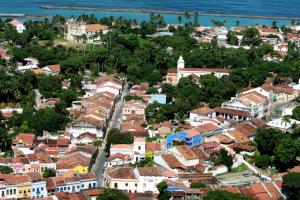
(149, 171)
(120, 172)
(202, 110)
(232, 112)
(186, 152)
(172, 161)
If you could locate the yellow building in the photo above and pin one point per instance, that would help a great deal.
(81, 169)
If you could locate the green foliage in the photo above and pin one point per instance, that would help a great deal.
(112, 194)
(232, 39)
(296, 113)
(44, 119)
(163, 194)
(50, 86)
(5, 139)
(152, 90)
(223, 158)
(286, 152)
(133, 97)
(49, 172)
(116, 137)
(291, 185)
(266, 140)
(68, 96)
(6, 170)
(251, 37)
(262, 161)
(147, 162)
(224, 195)
(198, 185)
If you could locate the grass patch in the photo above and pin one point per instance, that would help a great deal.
(240, 168)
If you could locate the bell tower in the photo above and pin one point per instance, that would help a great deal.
(180, 63)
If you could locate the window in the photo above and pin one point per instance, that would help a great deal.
(78, 186)
(15, 191)
(116, 185)
(135, 185)
(94, 184)
(126, 184)
(82, 186)
(139, 147)
(20, 192)
(33, 189)
(68, 188)
(42, 188)
(28, 190)
(2, 194)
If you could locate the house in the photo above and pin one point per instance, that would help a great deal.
(184, 155)
(169, 161)
(133, 128)
(52, 69)
(85, 124)
(24, 142)
(125, 153)
(252, 102)
(77, 29)
(18, 25)
(31, 64)
(84, 138)
(134, 107)
(173, 76)
(22, 186)
(72, 183)
(282, 124)
(77, 162)
(193, 137)
(201, 113)
(133, 180)
(263, 191)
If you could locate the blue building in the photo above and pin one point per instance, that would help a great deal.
(193, 137)
(159, 98)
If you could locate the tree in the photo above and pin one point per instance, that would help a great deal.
(5, 139)
(226, 159)
(286, 152)
(112, 194)
(291, 185)
(224, 195)
(179, 19)
(198, 185)
(116, 137)
(49, 172)
(262, 161)
(266, 140)
(296, 113)
(6, 170)
(163, 194)
(68, 96)
(232, 39)
(251, 37)
(49, 86)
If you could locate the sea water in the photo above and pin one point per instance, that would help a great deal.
(286, 8)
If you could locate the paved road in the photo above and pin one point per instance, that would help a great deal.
(98, 167)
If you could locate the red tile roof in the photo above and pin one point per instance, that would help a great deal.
(186, 152)
(232, 112)
(203, 110)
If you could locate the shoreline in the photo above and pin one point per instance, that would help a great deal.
(167, 12)
(36, 16)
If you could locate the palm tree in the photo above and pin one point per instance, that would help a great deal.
(187, 17)
(5, 139)
(196, 19)
(179, 19)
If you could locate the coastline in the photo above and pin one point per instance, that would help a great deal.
(168, 12)
(36, 16)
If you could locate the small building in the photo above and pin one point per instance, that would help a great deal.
(184, 155)
(18, 25)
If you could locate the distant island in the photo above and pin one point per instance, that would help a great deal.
(168, 12)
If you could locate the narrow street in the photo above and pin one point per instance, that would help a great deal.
(98, 167)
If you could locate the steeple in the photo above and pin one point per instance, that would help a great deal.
(180, 63)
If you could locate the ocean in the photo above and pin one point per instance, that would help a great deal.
(281, 8)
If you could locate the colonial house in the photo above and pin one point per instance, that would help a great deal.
(24, 143)
(18, 25)
(76, 30)
(193, 137)
(173, 76)
(252, 102)
(52, 69)
(72, 183)
(86, 124)
(22, 186)
(134, 180)
(184, 155)
(134, 107)
(124, 153)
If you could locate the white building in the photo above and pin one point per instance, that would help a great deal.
(18, 25)
(127, 153)
(138, 180)
(184, 155)
(174, 76)
(282, 124)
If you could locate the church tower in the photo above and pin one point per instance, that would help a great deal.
(180, 63)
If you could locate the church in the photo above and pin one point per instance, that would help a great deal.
(173, 76)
